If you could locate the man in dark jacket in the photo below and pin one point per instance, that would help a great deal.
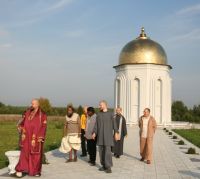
(121, 125)
(104, 129)
(91, 144)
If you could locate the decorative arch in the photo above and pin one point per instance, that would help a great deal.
(135, 99)
(119, 83)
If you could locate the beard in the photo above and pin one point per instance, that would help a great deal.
(69, 115)
(101, 109)
(32, 108)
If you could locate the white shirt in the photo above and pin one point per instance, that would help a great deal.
(145, 126)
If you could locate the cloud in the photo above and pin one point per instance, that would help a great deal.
(60, 4)
(35, 12)
(190, 10)
(184, 25)
(193, 35)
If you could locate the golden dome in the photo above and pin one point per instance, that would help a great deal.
(143, 50)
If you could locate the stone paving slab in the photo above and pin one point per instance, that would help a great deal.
(170, 162)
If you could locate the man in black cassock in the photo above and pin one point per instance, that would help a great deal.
(122, 132)
(105, 129)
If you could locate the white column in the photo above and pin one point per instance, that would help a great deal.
(128, 106)
(115, 93)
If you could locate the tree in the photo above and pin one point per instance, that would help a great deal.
(196, 113)
(188, 117)
(196, 110)
(179, 111)
(45, 105)
(80, 110)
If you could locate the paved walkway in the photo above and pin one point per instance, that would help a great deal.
(170, 161)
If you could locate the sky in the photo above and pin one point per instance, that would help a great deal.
(65, 50)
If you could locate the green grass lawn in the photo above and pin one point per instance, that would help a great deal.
(192, 135)
(9, 137)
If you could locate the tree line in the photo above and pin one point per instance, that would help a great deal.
(180, 112)
(44, 104)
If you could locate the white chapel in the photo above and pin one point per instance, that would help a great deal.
(143, 80)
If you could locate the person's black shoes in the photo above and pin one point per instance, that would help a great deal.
(102, 169)
(117, 156)
(92, 163)
(108, 170)
(142, 159)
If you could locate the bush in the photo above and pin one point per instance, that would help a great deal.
(167, 130)
(164, 129)
(181, 142)
(174, 137)
(191, 151)
(170, 133)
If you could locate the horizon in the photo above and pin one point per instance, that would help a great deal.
(76, 106)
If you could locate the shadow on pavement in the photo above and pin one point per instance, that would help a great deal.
(130, 156)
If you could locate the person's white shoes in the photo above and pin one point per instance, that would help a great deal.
(38, 175)
(19, 174)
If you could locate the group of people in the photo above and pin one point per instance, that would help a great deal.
(104, 129)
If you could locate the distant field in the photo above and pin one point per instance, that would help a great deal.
(192, 135)
(9, 135)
